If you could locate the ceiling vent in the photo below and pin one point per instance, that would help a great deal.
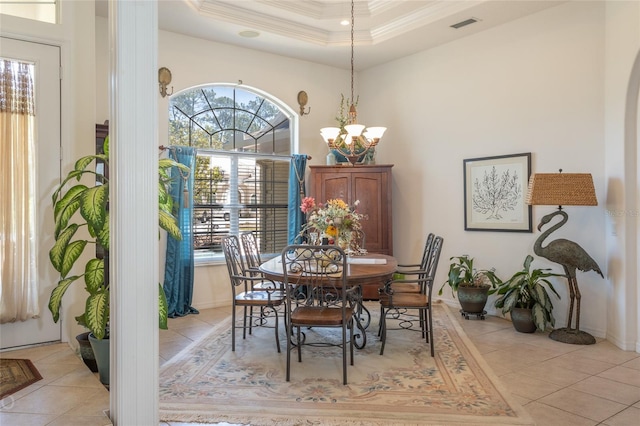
(464, 23)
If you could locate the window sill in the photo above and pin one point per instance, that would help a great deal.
(208, 259)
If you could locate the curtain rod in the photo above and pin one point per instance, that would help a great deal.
(163, 148)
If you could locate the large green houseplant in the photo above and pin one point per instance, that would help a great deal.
(76, 205)
(525, 297)
(472, 285)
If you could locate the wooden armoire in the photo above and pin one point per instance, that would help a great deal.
(368, 184)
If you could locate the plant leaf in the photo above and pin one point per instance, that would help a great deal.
(94, 275)
(97, 313)
(169, 223)
(71, 254)
(163, 308)
(103, 235)
(55, 299)
(539, 317)
(93, 206)
(64, 209)
(56, 254)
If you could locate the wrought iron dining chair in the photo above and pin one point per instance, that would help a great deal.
(253, 259)
(315, 280)
(395, 304)
(266, 299)
(422, 266)
(408, 287)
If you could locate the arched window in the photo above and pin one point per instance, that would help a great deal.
(244, 141)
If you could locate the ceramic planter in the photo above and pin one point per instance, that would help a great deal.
(86, 352)
(101, 351)
(472, 300)
(522, 319)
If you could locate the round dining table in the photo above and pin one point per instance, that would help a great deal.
(371, 270)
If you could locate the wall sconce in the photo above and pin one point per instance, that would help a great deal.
(302, 101)
(164, 78)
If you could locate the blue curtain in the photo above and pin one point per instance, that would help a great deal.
(297, 192)
(178, 268)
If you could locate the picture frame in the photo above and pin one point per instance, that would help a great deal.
(494, 193)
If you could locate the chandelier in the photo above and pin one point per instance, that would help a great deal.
(352, 141)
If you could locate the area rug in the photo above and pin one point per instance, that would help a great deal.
(207, 382)
(16, 374)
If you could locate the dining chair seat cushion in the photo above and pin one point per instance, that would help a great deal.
(405, 288)
(406, 300)
(260, 298)
(318, 315)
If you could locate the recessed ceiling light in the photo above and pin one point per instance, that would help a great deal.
(345, 22)
(249, 34)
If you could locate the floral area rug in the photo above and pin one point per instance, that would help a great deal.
(207, 382)
(16, 374)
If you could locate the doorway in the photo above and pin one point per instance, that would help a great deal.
(46, 59)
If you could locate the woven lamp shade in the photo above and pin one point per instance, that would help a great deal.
(561, 189)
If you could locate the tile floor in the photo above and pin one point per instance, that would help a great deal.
(557, 383)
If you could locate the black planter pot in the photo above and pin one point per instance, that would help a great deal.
(522, 319)
(472, 300)
(86, 352)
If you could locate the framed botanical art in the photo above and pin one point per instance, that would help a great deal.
(494, 193)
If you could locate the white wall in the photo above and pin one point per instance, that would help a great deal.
(532, 85)
(623, 180)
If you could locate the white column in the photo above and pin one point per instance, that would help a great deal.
(133, 38)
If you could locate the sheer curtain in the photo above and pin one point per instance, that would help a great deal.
(18, 274)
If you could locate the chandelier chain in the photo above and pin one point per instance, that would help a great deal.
(352, 26)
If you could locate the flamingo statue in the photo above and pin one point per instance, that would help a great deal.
(571, 256)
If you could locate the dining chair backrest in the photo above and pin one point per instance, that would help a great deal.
(431, 265)
(251, 251)
(426, 252)
(235, 263)
(320, 270)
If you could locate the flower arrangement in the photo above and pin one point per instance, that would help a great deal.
(334, 219)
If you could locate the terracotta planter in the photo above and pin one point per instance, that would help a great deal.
(522, 319)
(473, 299)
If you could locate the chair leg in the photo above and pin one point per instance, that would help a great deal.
(351, 342)
(344, 353)
(289, 331)
(244, 322)
(383, 330)
(298, 344)
(430, 331)
(276, 329)
(233, 328)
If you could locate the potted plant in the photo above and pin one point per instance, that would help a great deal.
(472, 285)
(78, 206)
(525, 297)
